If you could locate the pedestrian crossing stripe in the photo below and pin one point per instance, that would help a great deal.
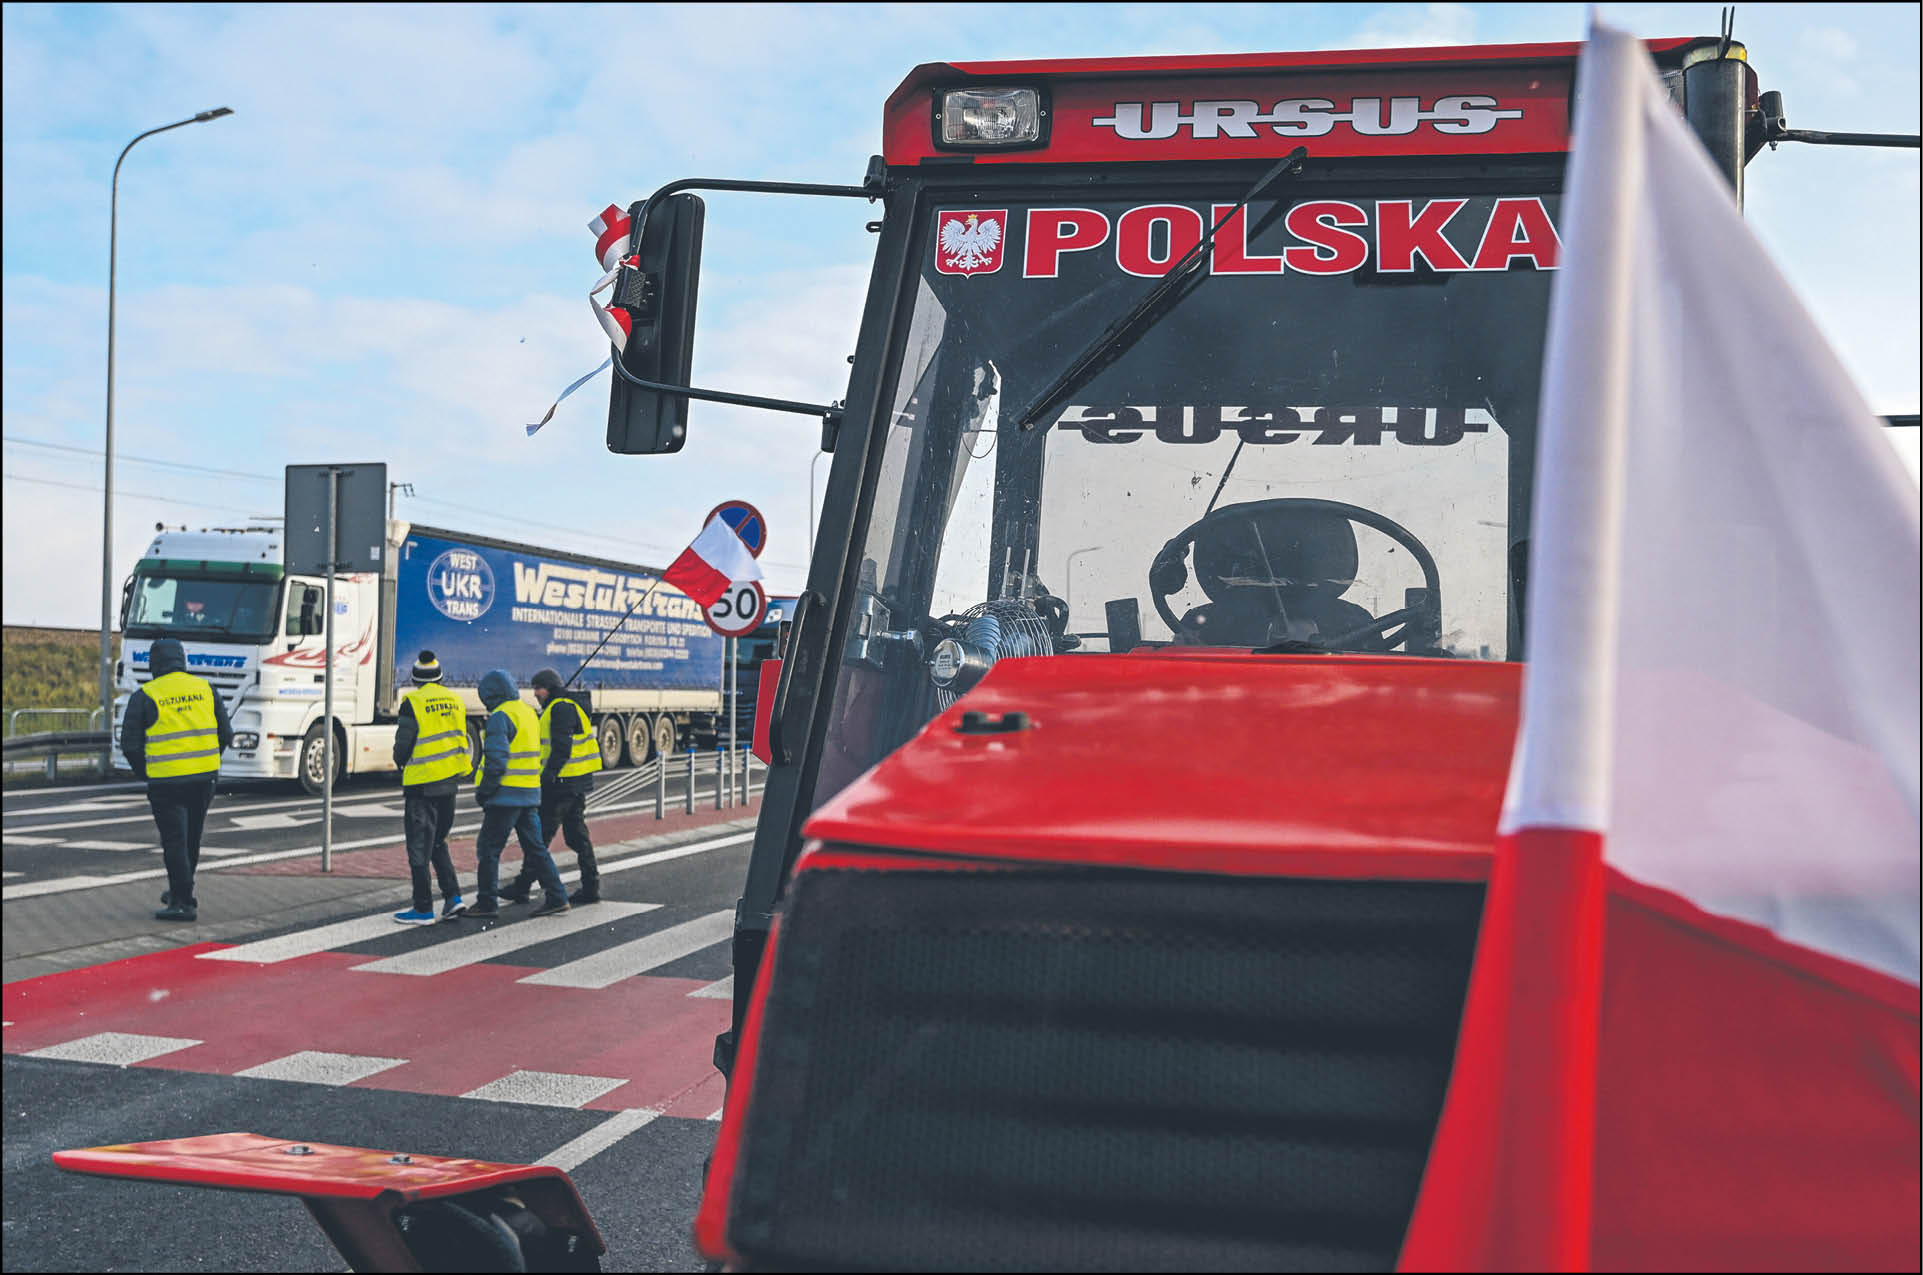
(499, 940)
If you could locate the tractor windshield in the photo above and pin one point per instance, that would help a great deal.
(1323, 445)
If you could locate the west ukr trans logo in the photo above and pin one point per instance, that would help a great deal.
(970, 242)
(460, 584)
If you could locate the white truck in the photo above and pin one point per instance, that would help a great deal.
(477, 603)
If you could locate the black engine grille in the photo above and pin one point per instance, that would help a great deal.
(1100, 1071)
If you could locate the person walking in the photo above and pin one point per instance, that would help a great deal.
(430, 751)
(569, 759)
(509, 791)
(172, 734)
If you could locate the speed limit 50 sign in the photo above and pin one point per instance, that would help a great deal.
(739, 611)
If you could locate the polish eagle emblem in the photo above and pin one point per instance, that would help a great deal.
(971, 243)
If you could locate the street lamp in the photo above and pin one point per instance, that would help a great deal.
(107, 500)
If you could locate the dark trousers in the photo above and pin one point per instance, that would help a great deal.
(427, 820)
(180, 812)
(566, 811)
(525, 823)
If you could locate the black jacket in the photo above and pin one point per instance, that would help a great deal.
(567, 720)
(165, 656)
(407, 729)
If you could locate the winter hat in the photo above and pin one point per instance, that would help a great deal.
(547, 679)
(426, 667)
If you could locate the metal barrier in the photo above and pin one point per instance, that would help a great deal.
(13, 719)
(53, 744)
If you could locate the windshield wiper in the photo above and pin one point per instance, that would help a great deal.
(1157, 301)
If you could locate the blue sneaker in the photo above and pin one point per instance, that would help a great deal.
(414, 917)
(453, 908)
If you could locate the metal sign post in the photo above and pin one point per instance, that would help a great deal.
(329, 506)
(327, 683)
(734, 710)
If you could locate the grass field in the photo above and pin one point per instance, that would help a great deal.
(49, 668)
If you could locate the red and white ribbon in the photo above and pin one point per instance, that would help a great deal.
(610, 244)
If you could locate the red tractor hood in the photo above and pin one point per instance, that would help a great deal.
(1350, 766)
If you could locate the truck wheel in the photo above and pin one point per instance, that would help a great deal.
(313, 759)
(638, 728)
(476, 745)
(612, 737)
(664, 735)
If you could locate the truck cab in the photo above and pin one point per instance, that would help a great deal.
(254, 633)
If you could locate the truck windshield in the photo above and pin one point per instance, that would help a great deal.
(202, 607)
(1324, 446)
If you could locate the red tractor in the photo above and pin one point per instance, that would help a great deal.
(1140, 735)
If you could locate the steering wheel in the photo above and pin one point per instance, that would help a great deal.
(1420, 616)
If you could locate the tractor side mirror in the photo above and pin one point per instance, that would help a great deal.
(126, 600)
(658, 295)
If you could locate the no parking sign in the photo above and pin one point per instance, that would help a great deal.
(746, 521)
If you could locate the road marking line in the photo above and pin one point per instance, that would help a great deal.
(570, 1156)
(61, 885)
(672, 852)
(502, 939)
(110, 845)
(307, 942)
(625, 960)
(721, 991)
(41, 792)
(716, 1113)
(20, 839)
(118, 1049)
(546, 1088)
(219, 810)
(317, 1067)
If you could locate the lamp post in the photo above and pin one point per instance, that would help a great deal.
(811, 506)
(1068, 573)
(107, 499)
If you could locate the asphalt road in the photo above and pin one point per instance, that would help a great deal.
(297, 1009)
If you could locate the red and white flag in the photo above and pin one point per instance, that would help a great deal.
(715, 560)
(1720, 709)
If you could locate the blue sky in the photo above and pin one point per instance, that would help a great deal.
(383, 253)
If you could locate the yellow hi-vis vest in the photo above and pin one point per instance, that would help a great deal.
(523, 748)
(440, 749)
(185, 737)
(585, 757)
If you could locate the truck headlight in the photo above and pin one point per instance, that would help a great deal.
(246, 739)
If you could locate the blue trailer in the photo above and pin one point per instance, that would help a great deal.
(643, 660)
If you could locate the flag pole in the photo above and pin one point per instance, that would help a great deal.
(611, 632)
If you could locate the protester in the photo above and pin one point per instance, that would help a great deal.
(509, 790)
(430, 750)
(172, 734)
(569, 759)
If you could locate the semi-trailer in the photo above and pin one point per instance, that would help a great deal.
(649, 667)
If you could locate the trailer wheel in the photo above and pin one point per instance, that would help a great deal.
(612, 737)
(665, 733)
(638, 728)
(312, 770)
(476, 745)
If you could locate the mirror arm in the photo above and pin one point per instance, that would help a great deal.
(873, 187)
(826, 411)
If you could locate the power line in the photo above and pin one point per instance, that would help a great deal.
(139, 460)
(495, 515)
(81, 487)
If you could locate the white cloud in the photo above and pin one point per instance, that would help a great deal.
(1410, 26)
